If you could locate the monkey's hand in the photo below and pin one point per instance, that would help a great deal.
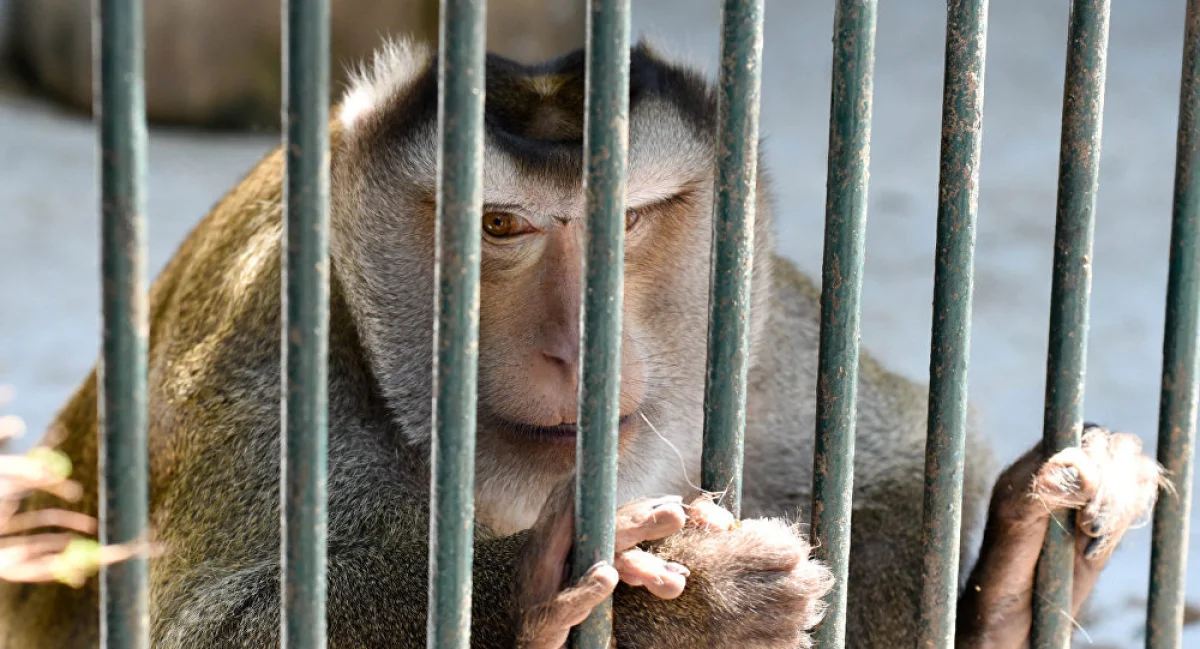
(548, 606)
(678, 580)
(752, 584)
(1110, 485)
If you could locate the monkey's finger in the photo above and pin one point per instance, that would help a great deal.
(705, 514)
(648, 519)
(1125, 499)
(1068, 480)
(664, 579)
(548, 626)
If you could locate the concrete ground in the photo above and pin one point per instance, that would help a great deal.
(48, 232)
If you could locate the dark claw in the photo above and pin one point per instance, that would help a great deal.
(1093, 547)
(1097, 525)
(1088, 425)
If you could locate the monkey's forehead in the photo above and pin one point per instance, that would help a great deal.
(534, 117)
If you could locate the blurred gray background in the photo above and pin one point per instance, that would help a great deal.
(49, 285)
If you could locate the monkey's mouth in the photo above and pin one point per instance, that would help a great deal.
(561, 432)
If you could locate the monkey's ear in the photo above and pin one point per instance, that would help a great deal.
(394, 67)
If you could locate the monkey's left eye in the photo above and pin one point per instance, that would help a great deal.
(631, 218)
(501, 225)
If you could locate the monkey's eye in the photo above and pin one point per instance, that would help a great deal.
(502, 225)
(631, 218)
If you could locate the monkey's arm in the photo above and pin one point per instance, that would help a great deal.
(376, 596)
(1110, 484)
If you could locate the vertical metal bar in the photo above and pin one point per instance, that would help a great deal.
(841, 293)
(462, 49)
(1079, 168)
(732, 250)
(606, 140)
(953, 285)
(1177, 410)
(305, 330)
(123, 465)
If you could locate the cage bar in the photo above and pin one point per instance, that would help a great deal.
(305, 330)
(123, 455)
(606, 135)
(1079, 168)
(841, 293)
(733, 250)
(953, 286)
(1177, 410)
(461, 57)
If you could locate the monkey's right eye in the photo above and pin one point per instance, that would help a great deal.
(502, 225)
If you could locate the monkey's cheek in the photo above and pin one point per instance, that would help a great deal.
(664, 579)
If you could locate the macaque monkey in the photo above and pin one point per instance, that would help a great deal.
(686, 574)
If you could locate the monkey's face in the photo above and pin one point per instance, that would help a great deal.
(533, 248)
(532, 254)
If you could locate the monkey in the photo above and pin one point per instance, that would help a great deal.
(685, 572)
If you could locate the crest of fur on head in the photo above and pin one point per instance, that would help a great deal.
(544, 102)
(395, 65)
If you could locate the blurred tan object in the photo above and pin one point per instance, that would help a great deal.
(216, 63)
(531, 31)
(59, 555)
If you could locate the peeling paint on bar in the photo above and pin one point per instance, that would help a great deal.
(958, 203)
(123, 455)
(733, 250)
(606, 142)
(456, 333)
(1079, 167)
(305, 331)
(1177, 415)
(841, 293)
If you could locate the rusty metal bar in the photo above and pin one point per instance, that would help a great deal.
(120, 109)
(305, 330)
(733, 250)
(953, 286)
(462, 49)
(1177, 410)
(1079, 167)
(606, 148)
(841, 293)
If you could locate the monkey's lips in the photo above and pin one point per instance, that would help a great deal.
(561, 432)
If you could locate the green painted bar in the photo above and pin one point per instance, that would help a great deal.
(461, 55)
(123, 458)
(606, 147)
(953, 286)
(305, 322)
(841, 293)
(1177, 414)
(1079, 167)
(733, 250)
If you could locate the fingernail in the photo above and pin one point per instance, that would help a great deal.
(1093, 547)
(596, 567)
(677, 568)
(1097, 525)
(668, 500)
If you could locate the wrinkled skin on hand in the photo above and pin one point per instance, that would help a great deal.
(682, 575)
